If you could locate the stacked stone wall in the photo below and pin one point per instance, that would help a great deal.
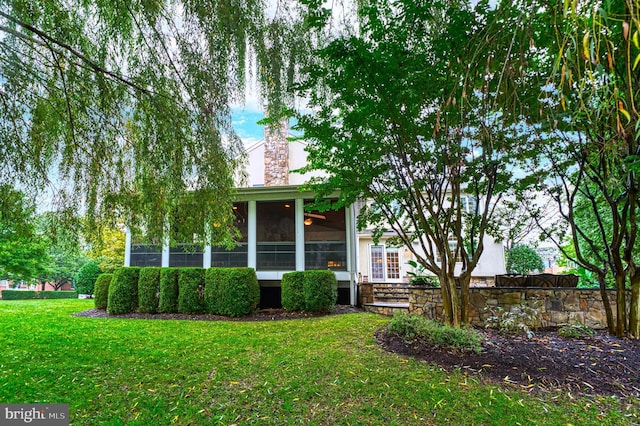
(558, 306)
(276, 156)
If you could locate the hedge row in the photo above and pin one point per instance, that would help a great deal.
(33, 294)
(313, 291)
(221, 291)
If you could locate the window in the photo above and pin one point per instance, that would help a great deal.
(452, 247)
(325, 240)
(236, 257)
(276, 236)
(468, 203)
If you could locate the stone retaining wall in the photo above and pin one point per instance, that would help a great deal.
(560, 306)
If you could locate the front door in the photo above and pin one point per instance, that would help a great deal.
(384, 263)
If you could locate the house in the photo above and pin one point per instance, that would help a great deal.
(279, 235)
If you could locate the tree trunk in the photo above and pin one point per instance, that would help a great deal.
(611, 326)
(465, 281)
(450, 300)
(621, 305)
(634, 315)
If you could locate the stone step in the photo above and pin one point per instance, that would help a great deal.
(392, 297)
(391, 294)
(386, 308)
(390, 285)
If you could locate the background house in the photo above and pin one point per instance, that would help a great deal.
(279, 235)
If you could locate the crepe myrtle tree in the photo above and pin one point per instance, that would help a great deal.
(407, 113)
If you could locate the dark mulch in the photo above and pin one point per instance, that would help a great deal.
(599, 365)
(260, 315)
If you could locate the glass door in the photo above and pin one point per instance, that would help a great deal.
(384, 263)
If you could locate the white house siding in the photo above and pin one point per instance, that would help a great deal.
(491, 261)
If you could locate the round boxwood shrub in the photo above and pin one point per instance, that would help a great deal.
(123, 291)
(168, 291)
(320, 290)
(149, 290)
(238, 292)
(101, 291)
(212, 280)
(191, 290)
(85, 279)
(293, 291)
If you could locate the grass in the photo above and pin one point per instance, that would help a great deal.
(318, 371)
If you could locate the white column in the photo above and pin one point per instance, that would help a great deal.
(127, 248)
(299, 221)
(165, 244)
(352, 251)
(206, 257)
(252, 235)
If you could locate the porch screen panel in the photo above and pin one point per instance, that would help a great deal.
(185, 255)
(276, 236)
(325, 240)
(145, 255)
(236, 257)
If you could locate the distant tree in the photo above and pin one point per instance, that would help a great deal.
(522, 259)
(108, 246)
(86, 277)
(62, 267)
(23, 253)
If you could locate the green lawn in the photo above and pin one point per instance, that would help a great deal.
(312, 371)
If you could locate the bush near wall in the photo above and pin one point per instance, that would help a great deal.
(238, 292)
(320, 289)
(191, 291)
(212, 280)
(293, 291)
(149, 290)
(168, 291)
(123, 291)
(101, 291)
(32, 294)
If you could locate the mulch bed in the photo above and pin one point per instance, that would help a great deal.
(599, 365)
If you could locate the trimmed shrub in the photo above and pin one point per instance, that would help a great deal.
(19, 294)
(191, 290)
(238, 292)
(293, 291)
(101, 290)
(149, 290)
(51, 294)
(33, 294)
(416, 328)
(320, 290)
(85, 279)
(168, 291)
(213, 278)
(123, 291)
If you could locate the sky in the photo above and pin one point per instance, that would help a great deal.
(244, 122)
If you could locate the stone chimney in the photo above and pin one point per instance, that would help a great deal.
(276, 155)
